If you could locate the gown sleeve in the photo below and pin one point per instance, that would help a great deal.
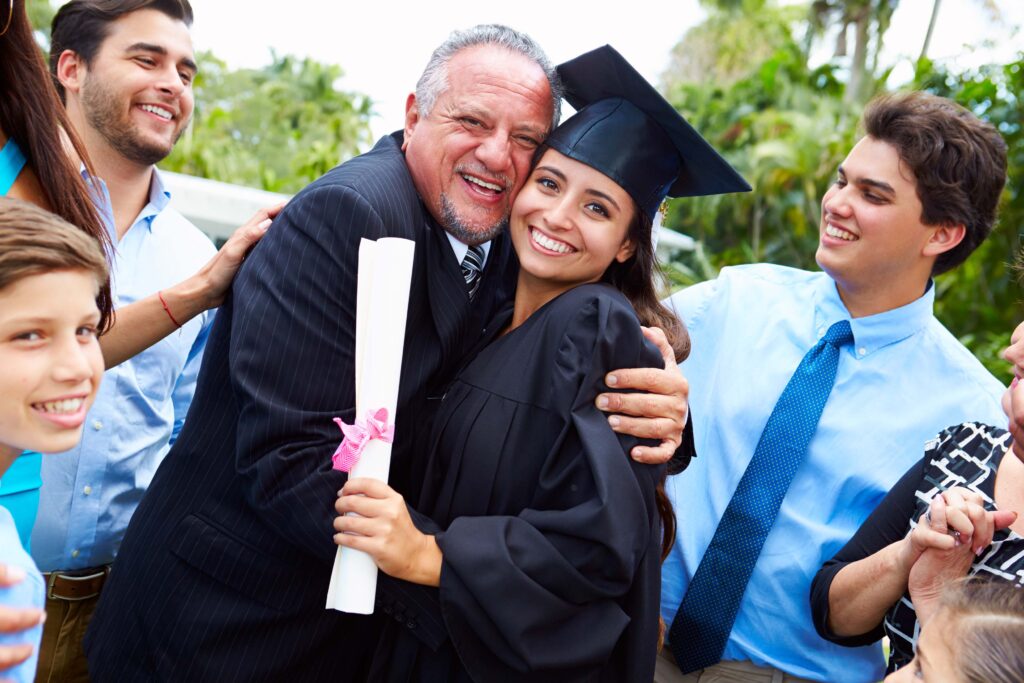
(546, 589)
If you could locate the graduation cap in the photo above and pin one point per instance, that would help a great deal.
(627, 131)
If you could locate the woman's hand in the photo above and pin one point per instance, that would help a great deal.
(219, 271)
(947, 538)
(382, 528)
(659, 414)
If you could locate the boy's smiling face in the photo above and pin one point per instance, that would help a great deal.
(50, 358)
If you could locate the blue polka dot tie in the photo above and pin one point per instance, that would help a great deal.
(702, 625)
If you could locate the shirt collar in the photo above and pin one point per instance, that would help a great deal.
(872, 332)
(159, 198)
(460, 248)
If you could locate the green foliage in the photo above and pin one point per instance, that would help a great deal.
(278, 128)
(785, 128)
(40, 16)
(784, 125)
(981, 300)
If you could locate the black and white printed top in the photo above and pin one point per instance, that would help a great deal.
(966, 455)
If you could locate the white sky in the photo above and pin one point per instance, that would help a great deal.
(382, 46)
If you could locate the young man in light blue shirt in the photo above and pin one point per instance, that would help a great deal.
(126, 80)
(913, 199)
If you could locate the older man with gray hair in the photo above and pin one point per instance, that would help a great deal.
(224, 569)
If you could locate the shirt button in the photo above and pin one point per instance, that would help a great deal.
(87, 490)
(97, 425)
(74, 553)
(862, 351)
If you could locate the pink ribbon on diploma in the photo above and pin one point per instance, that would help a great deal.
(374, 426)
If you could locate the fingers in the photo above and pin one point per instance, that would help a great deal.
(12, 655)
(14, 620)
(967, 518)
(367, 486)
(924, 536)
(654, 455)
(656, 336)
(937, 521)
(263, 215)
(364, 506)
(667, 382)
(1001, 519)
(244, 237)
(661, 429)
(643, 405)
(10, 575)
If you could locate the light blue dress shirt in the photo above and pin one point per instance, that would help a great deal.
(902, 381)
(90, 492)
(29, 592)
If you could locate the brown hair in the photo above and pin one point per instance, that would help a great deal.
(34, 241)
(635, 278)
(958, 162)
(987, 618)
(32, 116)
(82, 25)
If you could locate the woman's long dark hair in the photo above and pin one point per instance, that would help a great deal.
(636, 278)
(32, 115)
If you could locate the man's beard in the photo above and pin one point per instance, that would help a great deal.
(457, 228)
(104, 113)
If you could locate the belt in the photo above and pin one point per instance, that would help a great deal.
(77, 585)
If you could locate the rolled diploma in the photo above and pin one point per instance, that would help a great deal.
(382, 301)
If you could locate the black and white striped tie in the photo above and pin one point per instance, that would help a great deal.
(472, 264)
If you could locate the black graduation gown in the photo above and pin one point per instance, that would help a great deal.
(549, 530)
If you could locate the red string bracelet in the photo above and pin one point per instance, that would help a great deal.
(160, 295)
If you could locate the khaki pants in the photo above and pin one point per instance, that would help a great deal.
(666, 671)
(61, 657)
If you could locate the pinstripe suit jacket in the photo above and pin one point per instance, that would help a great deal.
(223, 572)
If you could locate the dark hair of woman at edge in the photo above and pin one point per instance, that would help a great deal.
(32, 115)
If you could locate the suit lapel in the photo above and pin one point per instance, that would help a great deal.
(449, 302)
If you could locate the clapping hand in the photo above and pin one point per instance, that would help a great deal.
(947, 538)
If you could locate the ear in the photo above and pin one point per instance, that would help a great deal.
(625, 251)
(944, 238)
(412, 117)
(71, 70)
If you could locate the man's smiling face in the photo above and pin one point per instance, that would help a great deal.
(137, 93)
(471, 153)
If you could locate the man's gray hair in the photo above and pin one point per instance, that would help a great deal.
(434, 79)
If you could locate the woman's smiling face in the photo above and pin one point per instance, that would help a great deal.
(570, 222)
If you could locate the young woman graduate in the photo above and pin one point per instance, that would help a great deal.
(533, 550)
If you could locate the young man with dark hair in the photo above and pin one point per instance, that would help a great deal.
(125, 71)
(791, 467)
